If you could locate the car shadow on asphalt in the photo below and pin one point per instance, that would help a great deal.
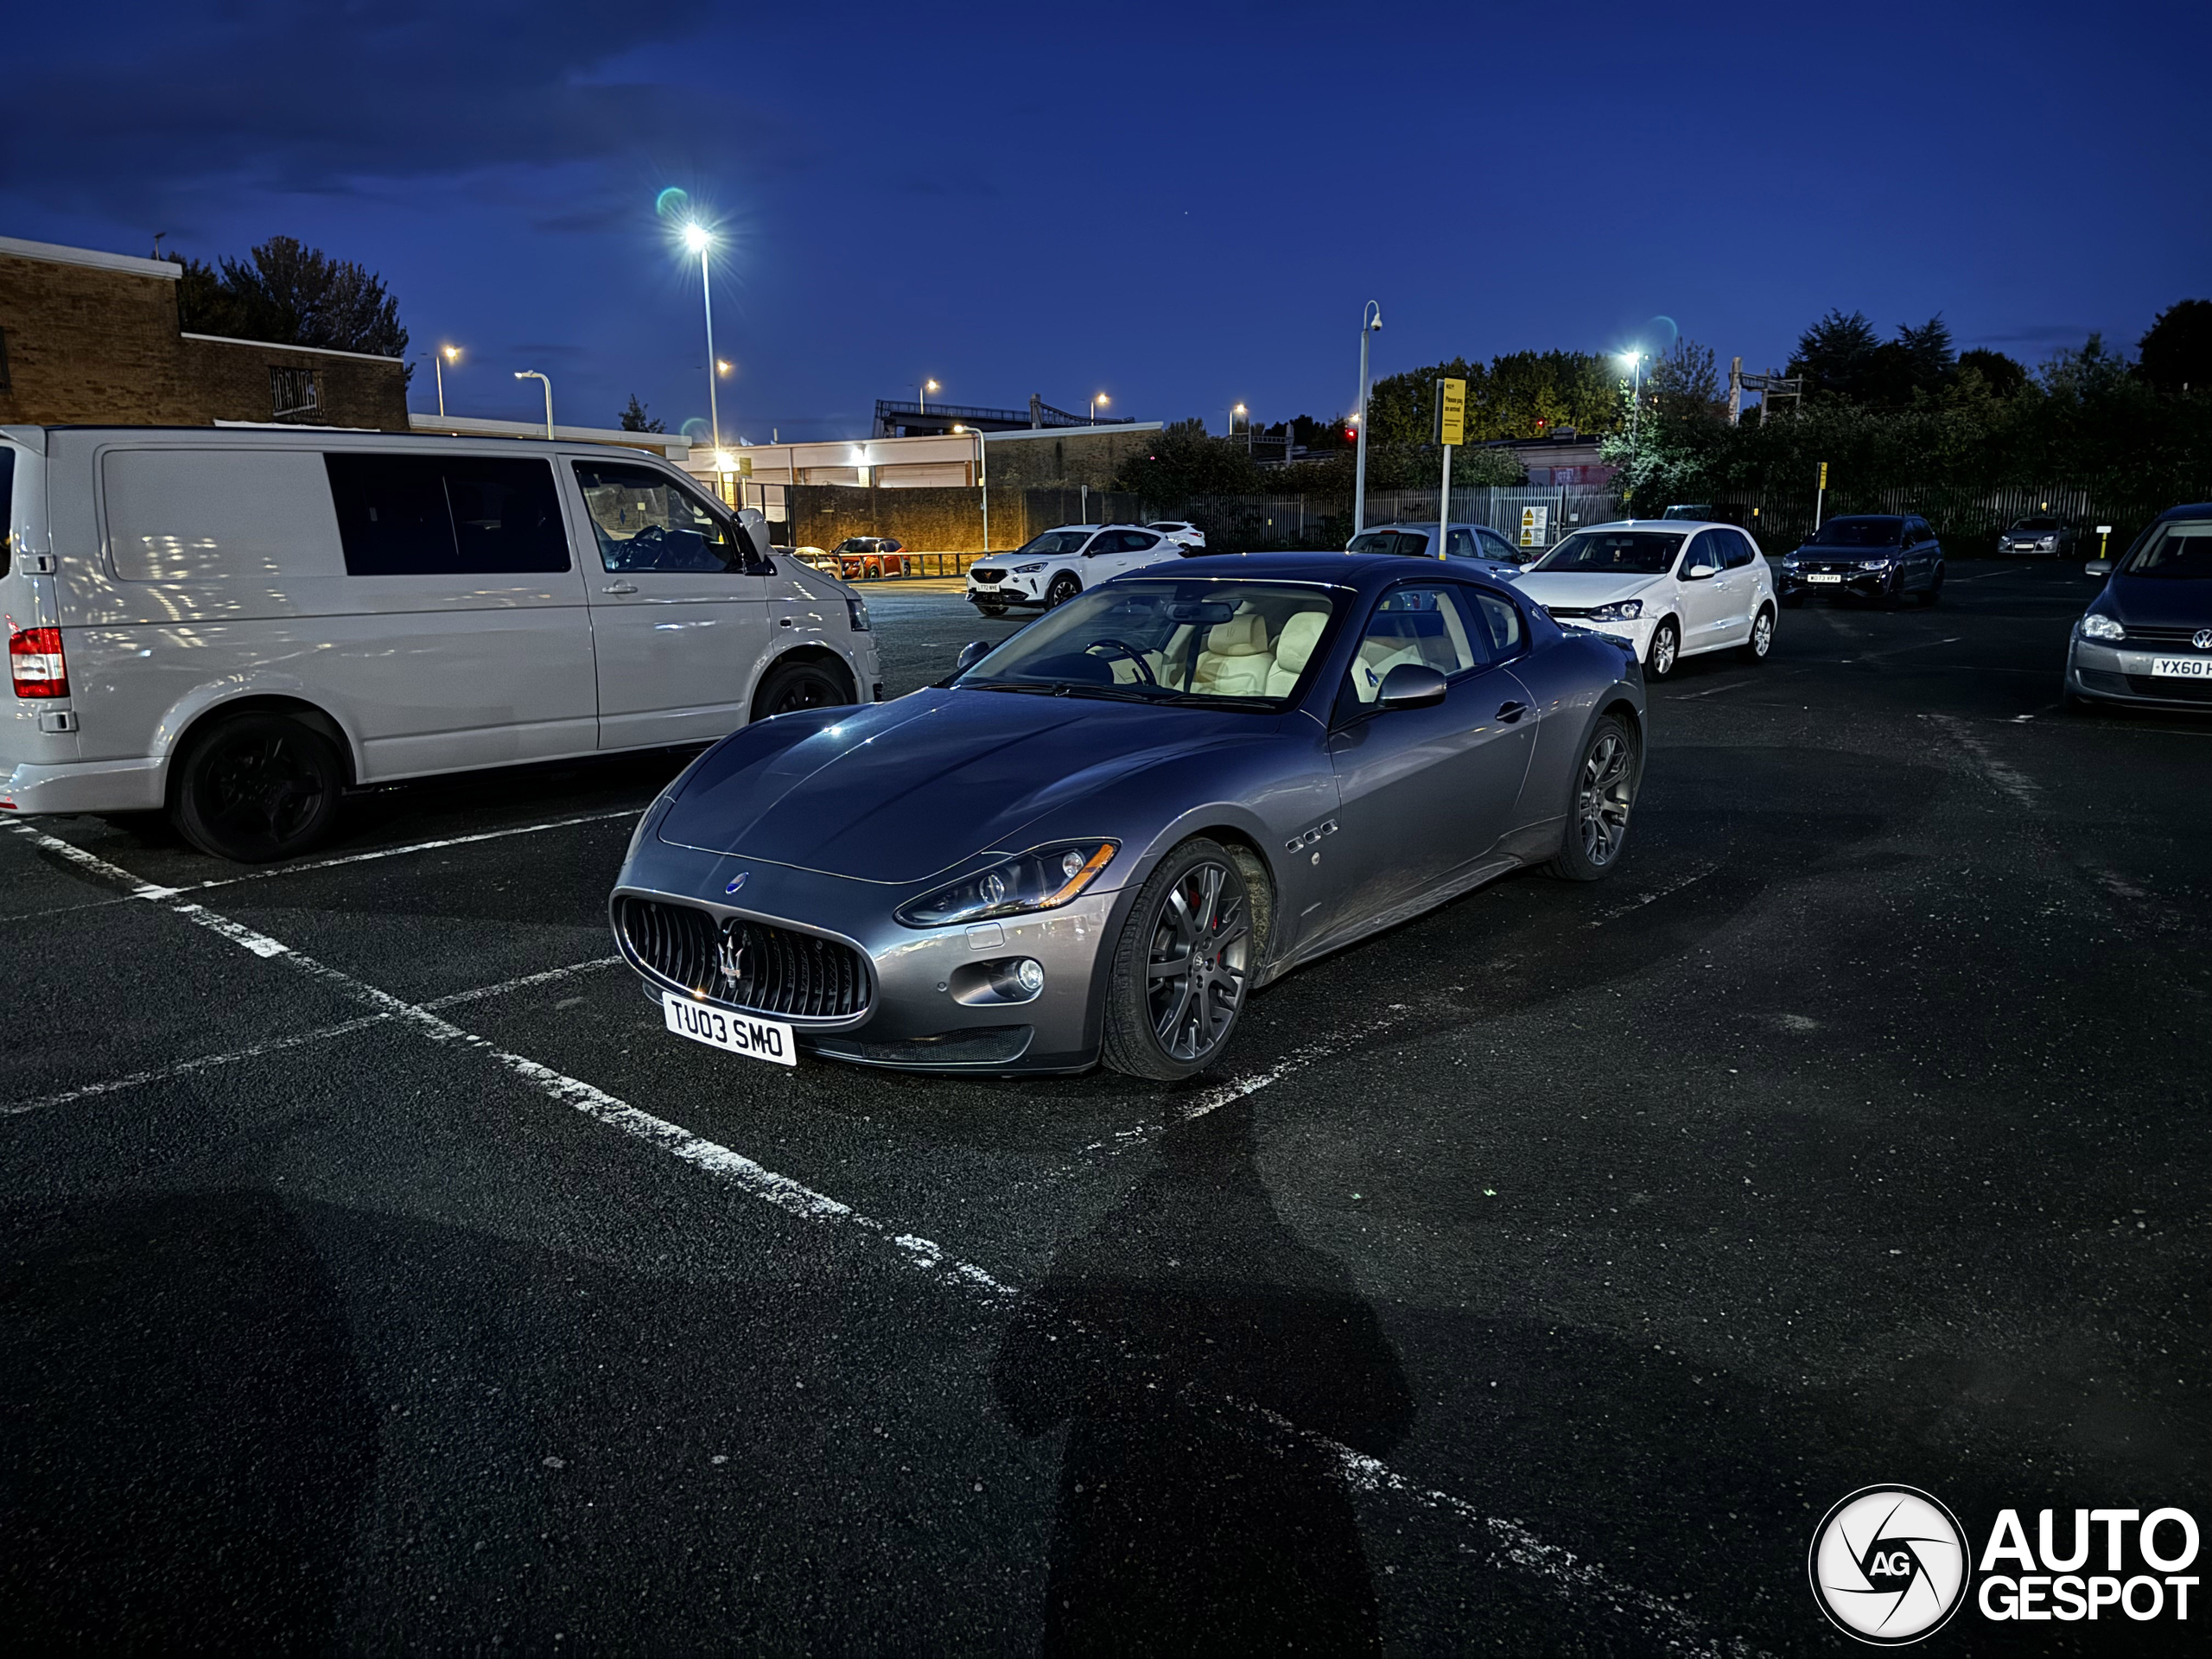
(1177, 1531)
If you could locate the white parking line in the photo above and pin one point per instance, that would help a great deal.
(2017, 785)
(1358, 1470)
(411, 848)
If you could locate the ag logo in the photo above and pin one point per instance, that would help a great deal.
(1888, 1565)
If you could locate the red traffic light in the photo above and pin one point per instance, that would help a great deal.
(1351, 434)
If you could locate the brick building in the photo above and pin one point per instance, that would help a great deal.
(94, 338)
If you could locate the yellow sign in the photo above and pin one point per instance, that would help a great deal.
(745, 465)
(1536, 526)
(1451, 411)
(1824, 474)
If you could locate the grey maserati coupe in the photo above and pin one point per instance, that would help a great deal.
(1096, 841)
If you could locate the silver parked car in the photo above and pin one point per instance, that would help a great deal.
(236, 626)
(1479, 544)
(2044, 536)
(1098, 838)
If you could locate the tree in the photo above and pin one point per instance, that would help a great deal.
(2086, 372)
(634, 418)
(1684, 384)
(1182, 460)
(291, 294)
(1836, 355)
(2000, 375)
(2176, 354)
(1929, 358)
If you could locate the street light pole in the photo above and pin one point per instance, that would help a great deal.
(439, 358)
(532, 374)
(1098, 398)
(700, 239)
(983, 485)
(1370, 320)
(923, 394)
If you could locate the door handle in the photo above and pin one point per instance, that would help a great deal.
(619, 588)
(785, 622)
(1509, 712)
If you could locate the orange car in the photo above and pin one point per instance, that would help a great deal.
(869, 555)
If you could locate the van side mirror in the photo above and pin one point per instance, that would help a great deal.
(2099, 567)
(1411, 685)
(970, 654)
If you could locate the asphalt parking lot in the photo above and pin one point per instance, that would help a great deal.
(380, 1274)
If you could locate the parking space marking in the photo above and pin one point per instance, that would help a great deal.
(1656, 894)
(410, 847)
(2017, 785)
(297, 1039)
(91, 861)
(1358, 1470)
(1710, 692)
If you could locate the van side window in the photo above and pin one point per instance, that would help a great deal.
(7, 506)
(438, 516)
(644, 520)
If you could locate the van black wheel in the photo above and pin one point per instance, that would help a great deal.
(789, 687)
(1065, 586)
(256, 787)
(1598, 810)
(1183, 967)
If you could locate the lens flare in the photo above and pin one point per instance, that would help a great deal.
(671, 201)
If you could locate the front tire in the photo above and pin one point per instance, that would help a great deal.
(1666, 651)
(789, 687)
(994, 612)
(1065, 586)
(257, 788)
(1762, 639)
(1598, 812)
(1183, 967)
(1934, 591)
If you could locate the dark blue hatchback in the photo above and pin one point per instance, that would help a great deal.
(2147, 638)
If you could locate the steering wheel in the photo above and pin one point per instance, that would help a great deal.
(1124, 648)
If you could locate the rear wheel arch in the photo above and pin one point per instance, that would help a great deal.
(316, 720)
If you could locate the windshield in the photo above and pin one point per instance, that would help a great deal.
(1857, 532)
(1165, 641)
(2181, 552)
(1613, 553)
(1056, 544)
(1412, 544)
(2037, 523)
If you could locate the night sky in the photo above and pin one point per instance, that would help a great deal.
(1181, 205)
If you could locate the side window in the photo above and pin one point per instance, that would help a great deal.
(1704, 549)
(643, 520)
(1740, 555)
(1460, 544)
(401, 515)
(1494, 625)
(1416, 623)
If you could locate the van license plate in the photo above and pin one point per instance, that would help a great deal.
(1816, 577)
(740, 1033)
(2182, 668)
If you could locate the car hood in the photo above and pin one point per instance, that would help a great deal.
(1582, 590)
(1007, 561)
(2154, 601)
(900, 792)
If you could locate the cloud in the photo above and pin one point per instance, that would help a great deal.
(323, 98)
(2044, 333)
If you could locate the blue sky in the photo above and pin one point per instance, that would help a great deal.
(1184, 206)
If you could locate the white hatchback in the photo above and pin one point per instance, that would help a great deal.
(1052, 568)
(1670, 589)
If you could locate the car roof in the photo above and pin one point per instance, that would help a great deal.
(1363, 571)
(1868, 517)
(2194, 510)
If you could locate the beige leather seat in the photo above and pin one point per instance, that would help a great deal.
(1294, 649)
(1373, 665)
(1235, 660)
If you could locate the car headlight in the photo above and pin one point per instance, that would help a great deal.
(857, 610)
(1027, 569)
(1873, 564)
(2048, 541)
(2097, 626)
(1626, 611)
(1043, 878)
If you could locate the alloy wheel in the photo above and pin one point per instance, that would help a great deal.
(1603, 798)
(1762, 633)
(1663, 652)
(262, 787)
(1196, 963)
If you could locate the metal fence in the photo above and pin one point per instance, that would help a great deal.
(1969, 520)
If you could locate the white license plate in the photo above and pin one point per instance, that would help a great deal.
(741, 1033)
(2182, 668)
(1816, 577)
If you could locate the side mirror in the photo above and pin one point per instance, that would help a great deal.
(970, 654)
(1701, 573)
(1411, 685)
(2099, 567)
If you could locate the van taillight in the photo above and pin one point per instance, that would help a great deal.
(35, 663)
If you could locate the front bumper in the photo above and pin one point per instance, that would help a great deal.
(1635, 635)
(1860, 584)
(1014, 590)
(929, 1007)
(2122, 674)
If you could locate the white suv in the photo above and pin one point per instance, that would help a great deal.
(1055, 566)
(1670, 589)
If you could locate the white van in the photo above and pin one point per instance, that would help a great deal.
(235, 625)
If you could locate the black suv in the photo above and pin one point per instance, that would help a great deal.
(1874, 555)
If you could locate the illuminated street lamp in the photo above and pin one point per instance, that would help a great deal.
(1097, 402)
(927, 387)
(439, 358)
(1233, 414)
(700, 239)
(1635, 360)
(532, 374)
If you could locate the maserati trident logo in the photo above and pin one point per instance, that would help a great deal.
(2201, 638)
(729, 953)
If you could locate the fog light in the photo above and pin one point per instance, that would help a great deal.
(1029, 974)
